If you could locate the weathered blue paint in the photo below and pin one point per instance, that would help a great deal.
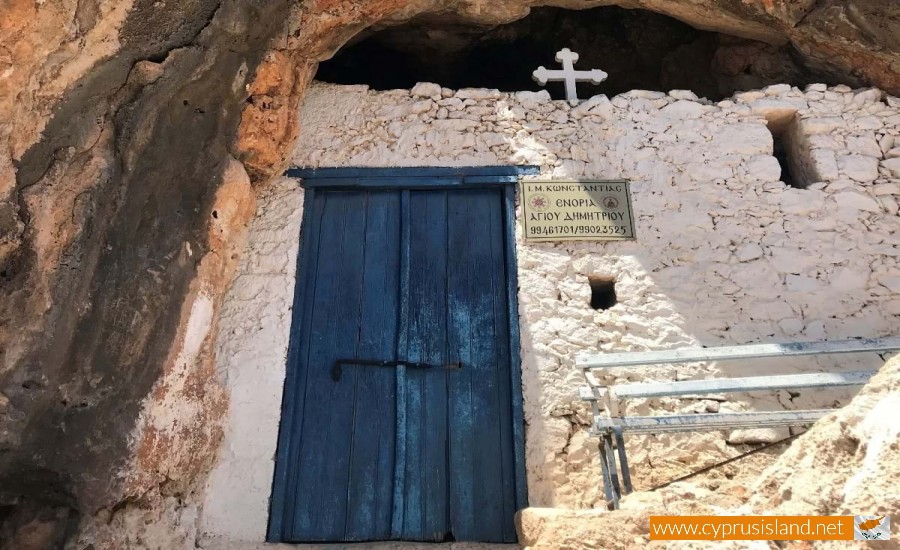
(512, 303)
(425, 275)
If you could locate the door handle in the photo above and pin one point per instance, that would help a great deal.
(337, 369)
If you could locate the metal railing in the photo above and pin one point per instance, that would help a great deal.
(610, 424)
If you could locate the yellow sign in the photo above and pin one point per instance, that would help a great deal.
(583, 210)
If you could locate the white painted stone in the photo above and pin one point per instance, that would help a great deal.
(777, 89)
(821, 125)
(858, 167)
(749, 252)
(864, 145)
(868, 123)
(849, 279)
(684, 109)
(778, 112)
(764, 168)
(893, 166)
(892, 307)
(824, 165)
(426, 89)
(744, 139)
(801, 202)
(683, 94)
(747, 97)
(857, 200)
(872, 95)
(890, 205)
(891, 282)
(886, 189)
(477, 93)
(251, 351)
(802, 284)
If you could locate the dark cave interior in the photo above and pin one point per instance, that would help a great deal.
(639, 49)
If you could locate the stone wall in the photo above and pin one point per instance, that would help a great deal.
(725, 254)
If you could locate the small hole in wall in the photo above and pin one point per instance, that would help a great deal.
(603, 292)
(786, 151)
(787, 175)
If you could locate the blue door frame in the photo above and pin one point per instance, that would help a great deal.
(404, 180)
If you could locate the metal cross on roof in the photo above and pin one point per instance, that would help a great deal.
(568, 74)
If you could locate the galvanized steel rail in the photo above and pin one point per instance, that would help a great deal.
(734, 353)
(609, 423)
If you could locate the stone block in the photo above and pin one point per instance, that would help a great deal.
(821, 125)
(478, 93)
(778, 112)
(426, 89)
(777, 89)
(684, 109)
(749, 252)
(857, 200)
(864, 145)
(743, 138)
(858, 167)
(890, 282)
(683, 94)
(764, 168)
(757, 436)
(848, 279)
(823, 163)
(802, 283)
(893, 166)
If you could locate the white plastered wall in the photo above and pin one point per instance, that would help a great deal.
(725, 253)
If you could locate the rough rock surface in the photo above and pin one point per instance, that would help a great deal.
(119, 121)
(846, 464)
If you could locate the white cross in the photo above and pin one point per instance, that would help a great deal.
(568, 74)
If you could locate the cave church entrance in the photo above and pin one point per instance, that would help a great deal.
(402, 410)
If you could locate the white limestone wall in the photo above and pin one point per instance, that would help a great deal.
(725, 253)
(251, 353)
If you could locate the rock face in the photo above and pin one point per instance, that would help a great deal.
(846, 464)
(122, 206)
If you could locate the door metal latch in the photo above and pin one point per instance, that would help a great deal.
(337, 369)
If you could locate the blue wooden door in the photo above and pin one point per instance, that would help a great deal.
(425, 447)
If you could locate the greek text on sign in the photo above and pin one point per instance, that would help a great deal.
(583, 210)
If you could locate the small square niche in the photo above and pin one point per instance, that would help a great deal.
(603, 292)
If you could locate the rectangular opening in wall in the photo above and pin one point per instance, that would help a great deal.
(603, 292)
(787, 150)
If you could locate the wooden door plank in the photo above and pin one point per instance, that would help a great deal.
(320, 513)
(489, 494)
(478, 489)
(371, 473)
(496, 273)
(513, 343)
(460, 337)
(285, 479)
(426, 515)
(399, 500)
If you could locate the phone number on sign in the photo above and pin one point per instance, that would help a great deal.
(549, 230)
